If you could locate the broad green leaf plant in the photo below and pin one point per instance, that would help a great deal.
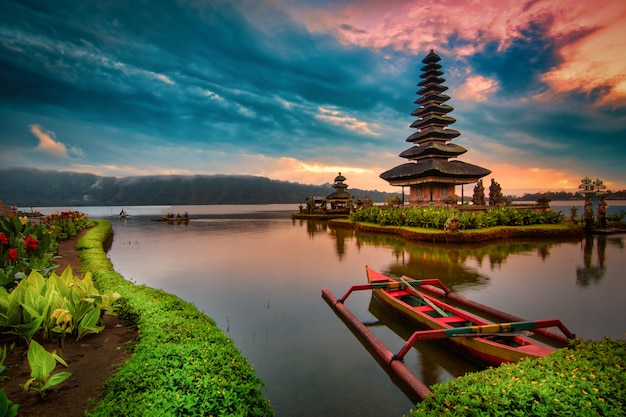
(65, 304)
(42, 363)
(7, 407)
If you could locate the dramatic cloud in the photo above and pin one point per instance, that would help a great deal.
(589, 40)
(47, 142)
(335, 117)
(477, 88)
(301, 90)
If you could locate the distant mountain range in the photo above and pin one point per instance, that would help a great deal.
(26, 187)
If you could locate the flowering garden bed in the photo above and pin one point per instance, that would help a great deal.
(45, 358)
(28, 244)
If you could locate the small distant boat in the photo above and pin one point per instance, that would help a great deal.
(175, 219)
(486, 343)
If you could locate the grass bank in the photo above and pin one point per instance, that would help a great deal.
(182, 363)
(586, 380)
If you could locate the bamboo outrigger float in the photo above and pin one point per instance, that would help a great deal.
(484, 342)
(415, 389)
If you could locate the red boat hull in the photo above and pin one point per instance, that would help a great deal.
(487, 350)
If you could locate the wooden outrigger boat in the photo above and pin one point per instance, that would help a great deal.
(484, 342)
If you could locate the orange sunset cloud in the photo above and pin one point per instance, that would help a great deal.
(589, 35)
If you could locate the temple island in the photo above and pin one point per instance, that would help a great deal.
(432, 172)
(338, 204)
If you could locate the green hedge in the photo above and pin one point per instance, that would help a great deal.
(587, 380)
(432, 217)
(182, 363)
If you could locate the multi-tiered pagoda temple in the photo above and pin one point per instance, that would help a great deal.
(430, 176)
(340, 199)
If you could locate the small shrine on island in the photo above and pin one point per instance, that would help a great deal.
(590, 190)
(341, 203)
(429, 174)
(340, 199)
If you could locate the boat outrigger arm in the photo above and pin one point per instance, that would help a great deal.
(496, 329)
(398, 285)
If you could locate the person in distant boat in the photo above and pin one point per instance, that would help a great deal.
(186, 215)
(122, 213)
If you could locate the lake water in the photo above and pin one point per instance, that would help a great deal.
(259, 275)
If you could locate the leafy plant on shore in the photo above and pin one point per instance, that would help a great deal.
(3, 356)
(617, 216)
(65, 304)
(42, 363)
(587, 380)
(7, 407)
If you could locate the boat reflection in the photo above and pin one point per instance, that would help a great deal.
(433, 361)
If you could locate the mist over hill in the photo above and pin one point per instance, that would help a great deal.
(27, 187)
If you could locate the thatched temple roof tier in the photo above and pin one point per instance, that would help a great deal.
(431, 79)
(432, 89)
(432, 98)
(433, 133)
(434, 108)
(434, 170)
(431, 58)
(433, 120)
(434, 149)
(431, 70)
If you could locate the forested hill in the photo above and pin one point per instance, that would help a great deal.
(26, 187)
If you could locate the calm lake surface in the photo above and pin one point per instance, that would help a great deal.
(259, 275)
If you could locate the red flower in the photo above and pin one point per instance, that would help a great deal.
(31, 243)
(12, 214)
(4, 240)
(12, 254)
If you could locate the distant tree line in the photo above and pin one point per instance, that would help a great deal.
(27, 187)
(563, 196)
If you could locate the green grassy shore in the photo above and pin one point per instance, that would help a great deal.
(182, 363)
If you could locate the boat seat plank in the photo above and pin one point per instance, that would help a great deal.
(399, 293)
(451, 319)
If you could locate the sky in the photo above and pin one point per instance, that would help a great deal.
(301, 90)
